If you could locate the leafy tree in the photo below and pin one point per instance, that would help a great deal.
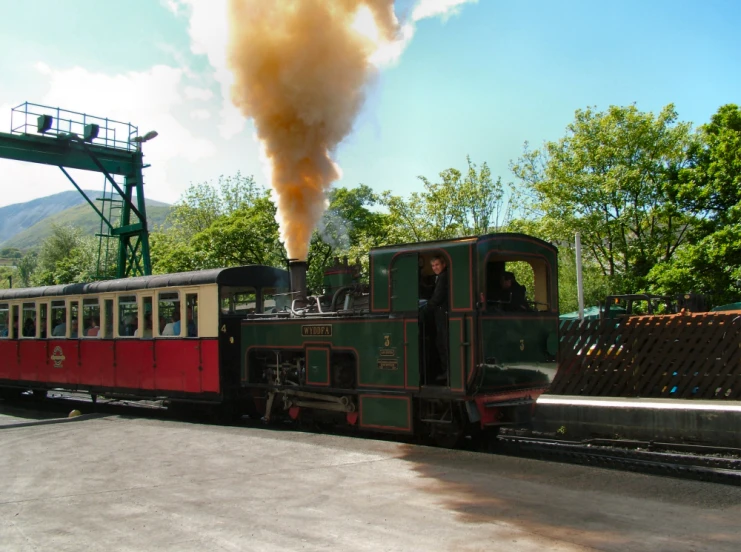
(182, 247)
(349, 228)
(6, 274)
(711, 185)
(613, 178)
(26, 268)
(458, 205)
(248, 235)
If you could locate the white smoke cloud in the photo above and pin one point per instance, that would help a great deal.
(209, 32)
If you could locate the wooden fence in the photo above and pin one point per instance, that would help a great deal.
(682, 356)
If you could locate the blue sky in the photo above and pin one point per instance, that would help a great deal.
(480, 81)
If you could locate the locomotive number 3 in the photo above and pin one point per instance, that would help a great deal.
(386, 340)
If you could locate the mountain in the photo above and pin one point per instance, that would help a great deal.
(82, 217)
(26, 225)
(18, 217)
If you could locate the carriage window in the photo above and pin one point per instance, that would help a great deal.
(58, 318)
(108, 314)
(238, 300)
(14, 330)
(4, 322)
(274, 299)
(128, 315)
(44, 328)
(90, 317)
(74, 320)
(29, 320)
(516, 286)
(169, 313)
(191, 314)
(147, 332)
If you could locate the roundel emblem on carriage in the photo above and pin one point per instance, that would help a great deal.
(57, 356)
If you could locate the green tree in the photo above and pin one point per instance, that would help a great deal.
(6, 274)
(185, 242)
(65, 257)
(613, 178)
(349, 227)
(457, 205)
(26, 268)
(711, 185)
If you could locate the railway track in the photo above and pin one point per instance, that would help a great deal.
(686, 461)
(712, 464)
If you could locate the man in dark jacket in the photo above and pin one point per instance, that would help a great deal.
(438, 305)
(514, 293)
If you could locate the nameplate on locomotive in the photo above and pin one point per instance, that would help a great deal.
(388, 352)
(317, 330)
(388, 365)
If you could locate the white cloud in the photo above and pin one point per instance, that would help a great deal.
(153, 100)
(200, 114)
(438, 8)
(195, 93)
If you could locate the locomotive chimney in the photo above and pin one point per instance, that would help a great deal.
(297, 270)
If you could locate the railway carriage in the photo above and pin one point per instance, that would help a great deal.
(152, 336)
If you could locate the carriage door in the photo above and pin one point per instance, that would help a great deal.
(405, 299)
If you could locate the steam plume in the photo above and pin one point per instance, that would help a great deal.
(300, 67)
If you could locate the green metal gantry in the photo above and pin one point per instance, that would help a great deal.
(70, 140)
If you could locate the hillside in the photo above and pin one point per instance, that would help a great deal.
(82, 217)
(20, 216)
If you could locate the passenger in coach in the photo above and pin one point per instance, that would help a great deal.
(29, 328)
(170, 328)
(60, 329)
(74, 331)
(94, 328)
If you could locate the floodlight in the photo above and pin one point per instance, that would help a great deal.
(44, 123)
(90, 132)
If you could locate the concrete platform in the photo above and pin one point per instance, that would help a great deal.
(714, 423)
(135, 484)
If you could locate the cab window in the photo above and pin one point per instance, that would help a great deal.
(516, 286)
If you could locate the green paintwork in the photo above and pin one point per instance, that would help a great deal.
(389, 413)
(459, 335)
(380, 261)
(68, 152)
(366, 338)
(405, 284)
(317, 366)
(48, 150)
